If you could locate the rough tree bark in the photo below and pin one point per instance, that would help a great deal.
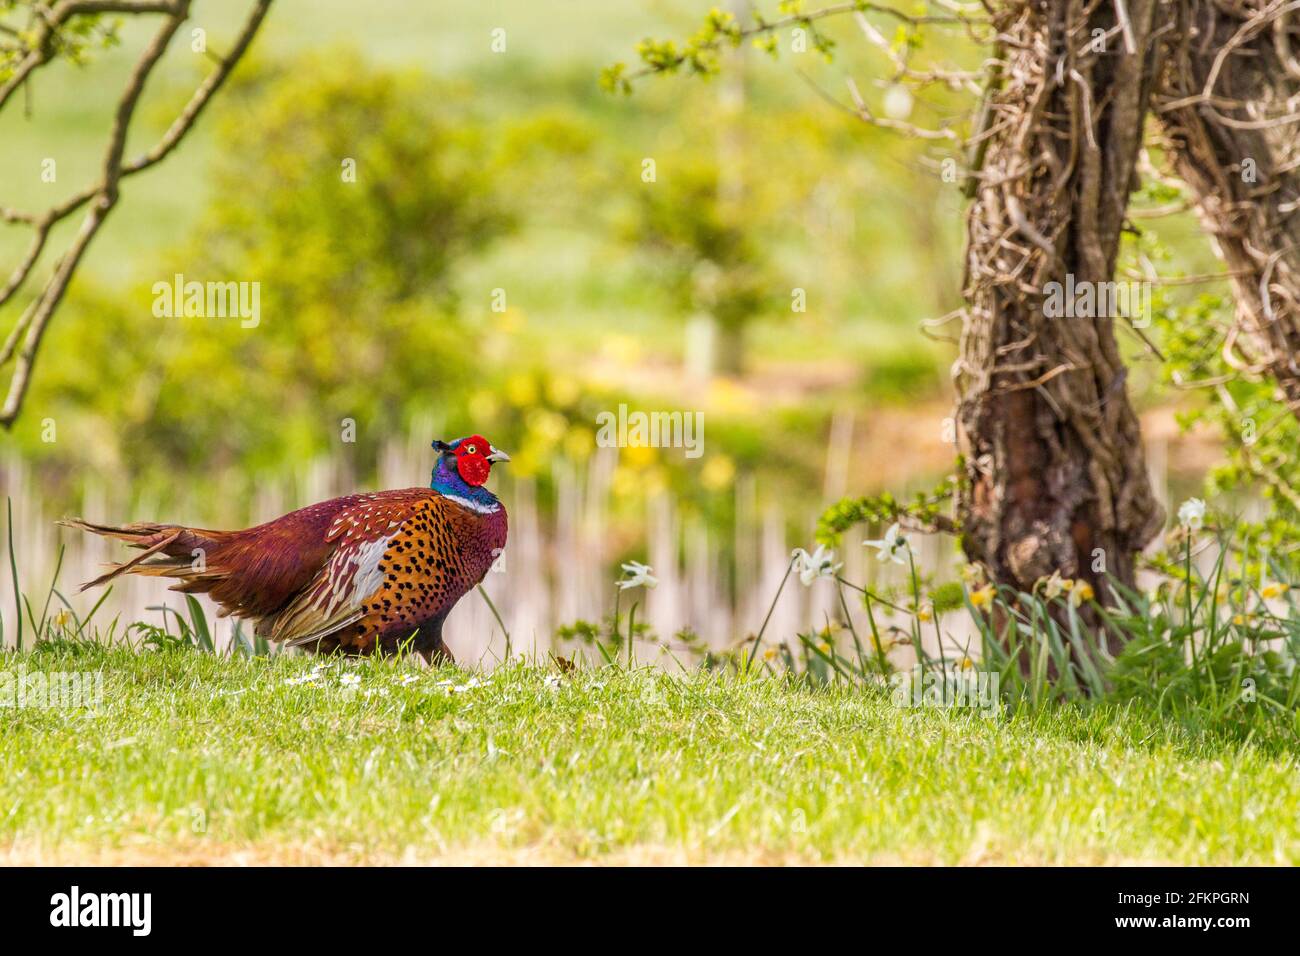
(1055, 476)
(1228, 112)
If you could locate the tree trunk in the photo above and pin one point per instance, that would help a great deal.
(730, 354)
(1228, 115)
(1055, 474)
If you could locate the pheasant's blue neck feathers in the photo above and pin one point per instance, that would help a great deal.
(448, 482)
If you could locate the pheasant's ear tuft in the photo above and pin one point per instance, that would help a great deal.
(443, 447)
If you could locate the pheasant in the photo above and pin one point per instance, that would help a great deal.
(350, 575)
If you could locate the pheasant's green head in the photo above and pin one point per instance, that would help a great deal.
(465, 460)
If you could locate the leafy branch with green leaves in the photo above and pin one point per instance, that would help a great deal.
(699, 53)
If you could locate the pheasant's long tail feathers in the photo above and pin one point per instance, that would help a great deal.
(132, 533)
(167, 551)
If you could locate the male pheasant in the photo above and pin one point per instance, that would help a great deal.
(353, 574)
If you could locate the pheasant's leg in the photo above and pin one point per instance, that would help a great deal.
(438, 656)
(428, 642)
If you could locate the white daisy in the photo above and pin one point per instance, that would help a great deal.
(461, 688)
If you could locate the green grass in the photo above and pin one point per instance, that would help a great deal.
(195, 758)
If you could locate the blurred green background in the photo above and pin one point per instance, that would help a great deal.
(487, 176)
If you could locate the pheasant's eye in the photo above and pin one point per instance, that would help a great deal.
(472, 450)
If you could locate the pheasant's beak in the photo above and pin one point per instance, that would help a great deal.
(496, 454)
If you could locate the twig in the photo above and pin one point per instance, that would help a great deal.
(103, 196)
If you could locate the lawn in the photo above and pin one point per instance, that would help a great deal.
(196, 758)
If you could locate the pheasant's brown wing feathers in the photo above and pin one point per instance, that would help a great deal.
(335, 597)
(396, 569)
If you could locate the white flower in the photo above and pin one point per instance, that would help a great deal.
(454, 688)
(350, 680)
(304, 679)
(408, 679)
(1191, 513)
(640, 574)
(894, 546)
(552, 682)
(820, 564)
(898, 102)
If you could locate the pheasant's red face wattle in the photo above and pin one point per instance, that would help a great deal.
(472, 459)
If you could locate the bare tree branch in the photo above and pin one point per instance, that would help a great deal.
(103, 195)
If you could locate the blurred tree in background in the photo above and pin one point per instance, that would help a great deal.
(348, 194)
(344, 184)
(706, 256)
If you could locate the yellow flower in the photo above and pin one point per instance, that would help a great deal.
(639, 456)
(549, 427)
(579, 442)
(1241, 620)
(483, 406)
(1273, 590)
(624, 482)
(769, 654)
(512, 320)
(654, 481)
(823, 647)
(621, 349)
(521, 389)
(563, 391)
(984, 596)
(717, 473)
(925, 614)
(728, 398)
(63, 619)
(966, 663)
(1082, 591)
